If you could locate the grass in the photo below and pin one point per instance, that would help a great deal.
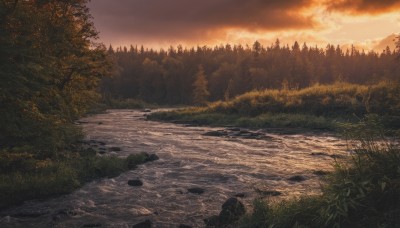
(362, 193)
(266, 120)
(125, 104)
(24, 176)
(322, 107)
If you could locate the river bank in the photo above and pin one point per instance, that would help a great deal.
(223, 167)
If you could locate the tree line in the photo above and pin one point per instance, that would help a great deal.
(172, 76)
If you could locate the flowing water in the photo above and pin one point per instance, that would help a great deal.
(222, 166)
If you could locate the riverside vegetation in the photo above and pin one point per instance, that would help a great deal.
(365, 191)
(323, 107)
(50, 67)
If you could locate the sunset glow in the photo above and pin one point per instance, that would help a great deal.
(369, 25)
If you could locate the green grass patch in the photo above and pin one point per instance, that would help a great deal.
(265, 120)
(24, 176)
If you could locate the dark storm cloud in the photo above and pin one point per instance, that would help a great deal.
(195, 19)
(364, 6)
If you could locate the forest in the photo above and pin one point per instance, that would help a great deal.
(169, 76)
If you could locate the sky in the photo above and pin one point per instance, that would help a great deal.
(367, 24)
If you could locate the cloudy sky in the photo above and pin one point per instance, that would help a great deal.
(369, 24)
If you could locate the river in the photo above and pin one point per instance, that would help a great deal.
(222, 166)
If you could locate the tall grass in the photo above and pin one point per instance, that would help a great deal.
(316, 107)
(365, 192)
(320, 100)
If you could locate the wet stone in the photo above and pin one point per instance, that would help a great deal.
(232, 211)
(320, 172)
(297, 178)
(240, 195)
(92, 225)
(184, 226)
(145, 224)
(115, 148)
(151, 157)
(196, 190)
(135, 183)
(212, 221)
(216, 133)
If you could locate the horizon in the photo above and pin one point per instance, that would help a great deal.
(159, 24)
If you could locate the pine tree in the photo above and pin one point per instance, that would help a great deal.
(200, 92)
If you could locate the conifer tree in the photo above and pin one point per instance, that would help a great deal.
(200, 92)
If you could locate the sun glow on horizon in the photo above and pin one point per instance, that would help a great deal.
(321, 26)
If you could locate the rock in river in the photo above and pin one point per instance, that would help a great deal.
(135, 183)
(145, 224)
(216, 133)
(196, 190)
(232, 211)
(297, 178)
(115, 149)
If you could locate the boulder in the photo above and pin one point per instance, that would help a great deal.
(135, 183)
(115, 148)
(216, 133)
(145, 224)
(212, 221)
(321, 172)
(196, 190)
(232, 211)
(151, 157)
(297, 178)
(319, 154)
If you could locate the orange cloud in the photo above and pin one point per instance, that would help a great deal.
(193, 20)
(363, 6)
